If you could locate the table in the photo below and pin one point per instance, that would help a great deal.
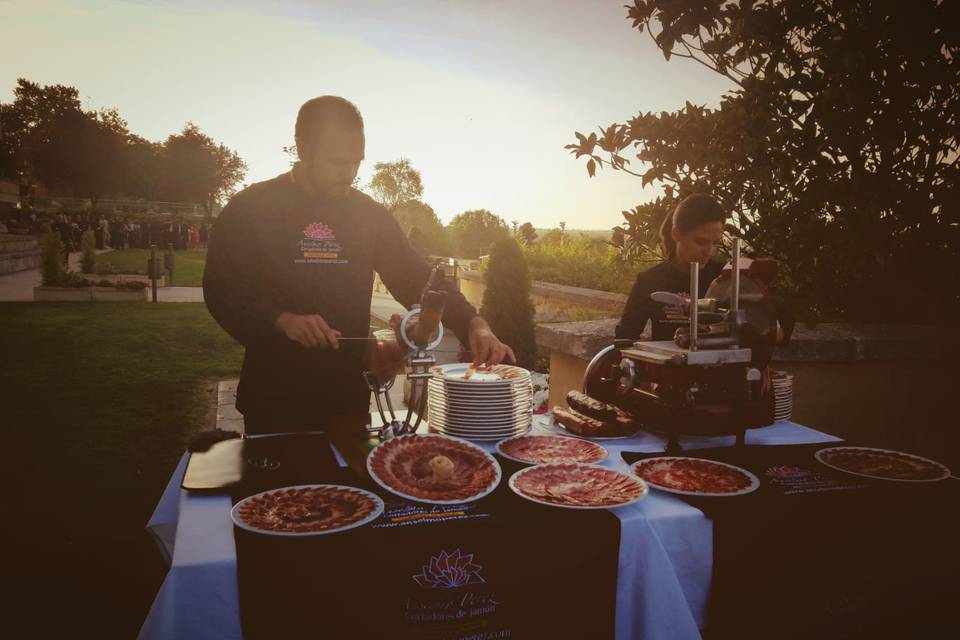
(665, 567)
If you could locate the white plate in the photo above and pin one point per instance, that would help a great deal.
(474, 401)
(499, 428)
(501, 444)
(513, 479)
(462, 386)
(944, 471)
(455, 372)
(487, 435)
(483, 395)
(295, 534)
(562, 430)
(483, 407)
(483, 423)
(477, 438)
(754, 481)
(501, 431)
(481, 410)
(493, 485)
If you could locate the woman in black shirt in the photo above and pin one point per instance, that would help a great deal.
(692, 233)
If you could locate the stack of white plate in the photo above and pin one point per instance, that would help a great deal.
(783, 395)
(480, 405)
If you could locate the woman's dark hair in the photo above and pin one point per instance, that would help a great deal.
(317, 111)
(693, 211)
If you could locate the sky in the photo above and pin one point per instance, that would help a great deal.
(481, 97)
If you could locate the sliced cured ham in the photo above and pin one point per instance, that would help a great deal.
(577, 485)
(540, 449)
(695, 476)
(433, 468)
(308, 509)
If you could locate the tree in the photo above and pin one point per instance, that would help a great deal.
(840, 131)
(414, 214)
(144, 169)
(554, 237)
(419, 242)
(506, 300)
(472, 232)
(28, 124)
(395, 182)
(200, 170)
(84, 155)
(527, 234)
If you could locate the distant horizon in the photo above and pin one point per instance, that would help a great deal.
(481, 99)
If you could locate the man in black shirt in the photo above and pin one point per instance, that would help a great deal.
(290, 270)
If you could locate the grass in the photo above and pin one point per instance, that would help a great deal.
(187, 272)
(97, 403)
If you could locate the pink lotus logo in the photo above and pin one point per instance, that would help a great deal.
(448, 571)
(318, 230)
(786, 471)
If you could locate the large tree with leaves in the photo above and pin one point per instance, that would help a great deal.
(200, 170)
(29, 124)
(395, 183)
(85, 154)
(415, 214)
(836, 148)
(472, 232)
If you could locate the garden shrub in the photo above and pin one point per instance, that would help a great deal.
(506, 300)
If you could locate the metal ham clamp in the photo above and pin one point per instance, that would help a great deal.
(415, 335)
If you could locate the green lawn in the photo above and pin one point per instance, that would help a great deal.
(188, 271)
(97, 402)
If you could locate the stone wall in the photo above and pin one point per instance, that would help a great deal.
(877, 385)
(553, 302)
(18, 253)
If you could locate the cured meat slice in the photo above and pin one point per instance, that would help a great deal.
(577, 485)
(883, 464)
(307, 509)
(539, 449)
(695, 475)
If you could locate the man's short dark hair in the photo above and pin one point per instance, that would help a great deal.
(317, 111)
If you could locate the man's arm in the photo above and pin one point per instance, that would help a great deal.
(405, 273)
(233, 285)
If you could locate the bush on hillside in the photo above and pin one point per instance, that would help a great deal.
(581, 262)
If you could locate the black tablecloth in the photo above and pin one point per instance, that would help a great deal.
(496, 568)
(816, 553)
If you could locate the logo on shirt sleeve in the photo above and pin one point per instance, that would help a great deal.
(319, 245)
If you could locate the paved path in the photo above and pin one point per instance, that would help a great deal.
(18, 287)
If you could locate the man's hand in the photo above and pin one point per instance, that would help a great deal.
(308, 331)
(487, 349)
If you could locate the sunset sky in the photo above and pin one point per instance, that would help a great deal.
(480, 96)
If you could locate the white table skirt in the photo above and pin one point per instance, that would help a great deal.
(665, 568)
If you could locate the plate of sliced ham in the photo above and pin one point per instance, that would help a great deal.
(695, 476)
(577, 486)
(542, 449)
(434, 468)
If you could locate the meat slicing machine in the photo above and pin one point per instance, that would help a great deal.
(709, 380)
(415, 335)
